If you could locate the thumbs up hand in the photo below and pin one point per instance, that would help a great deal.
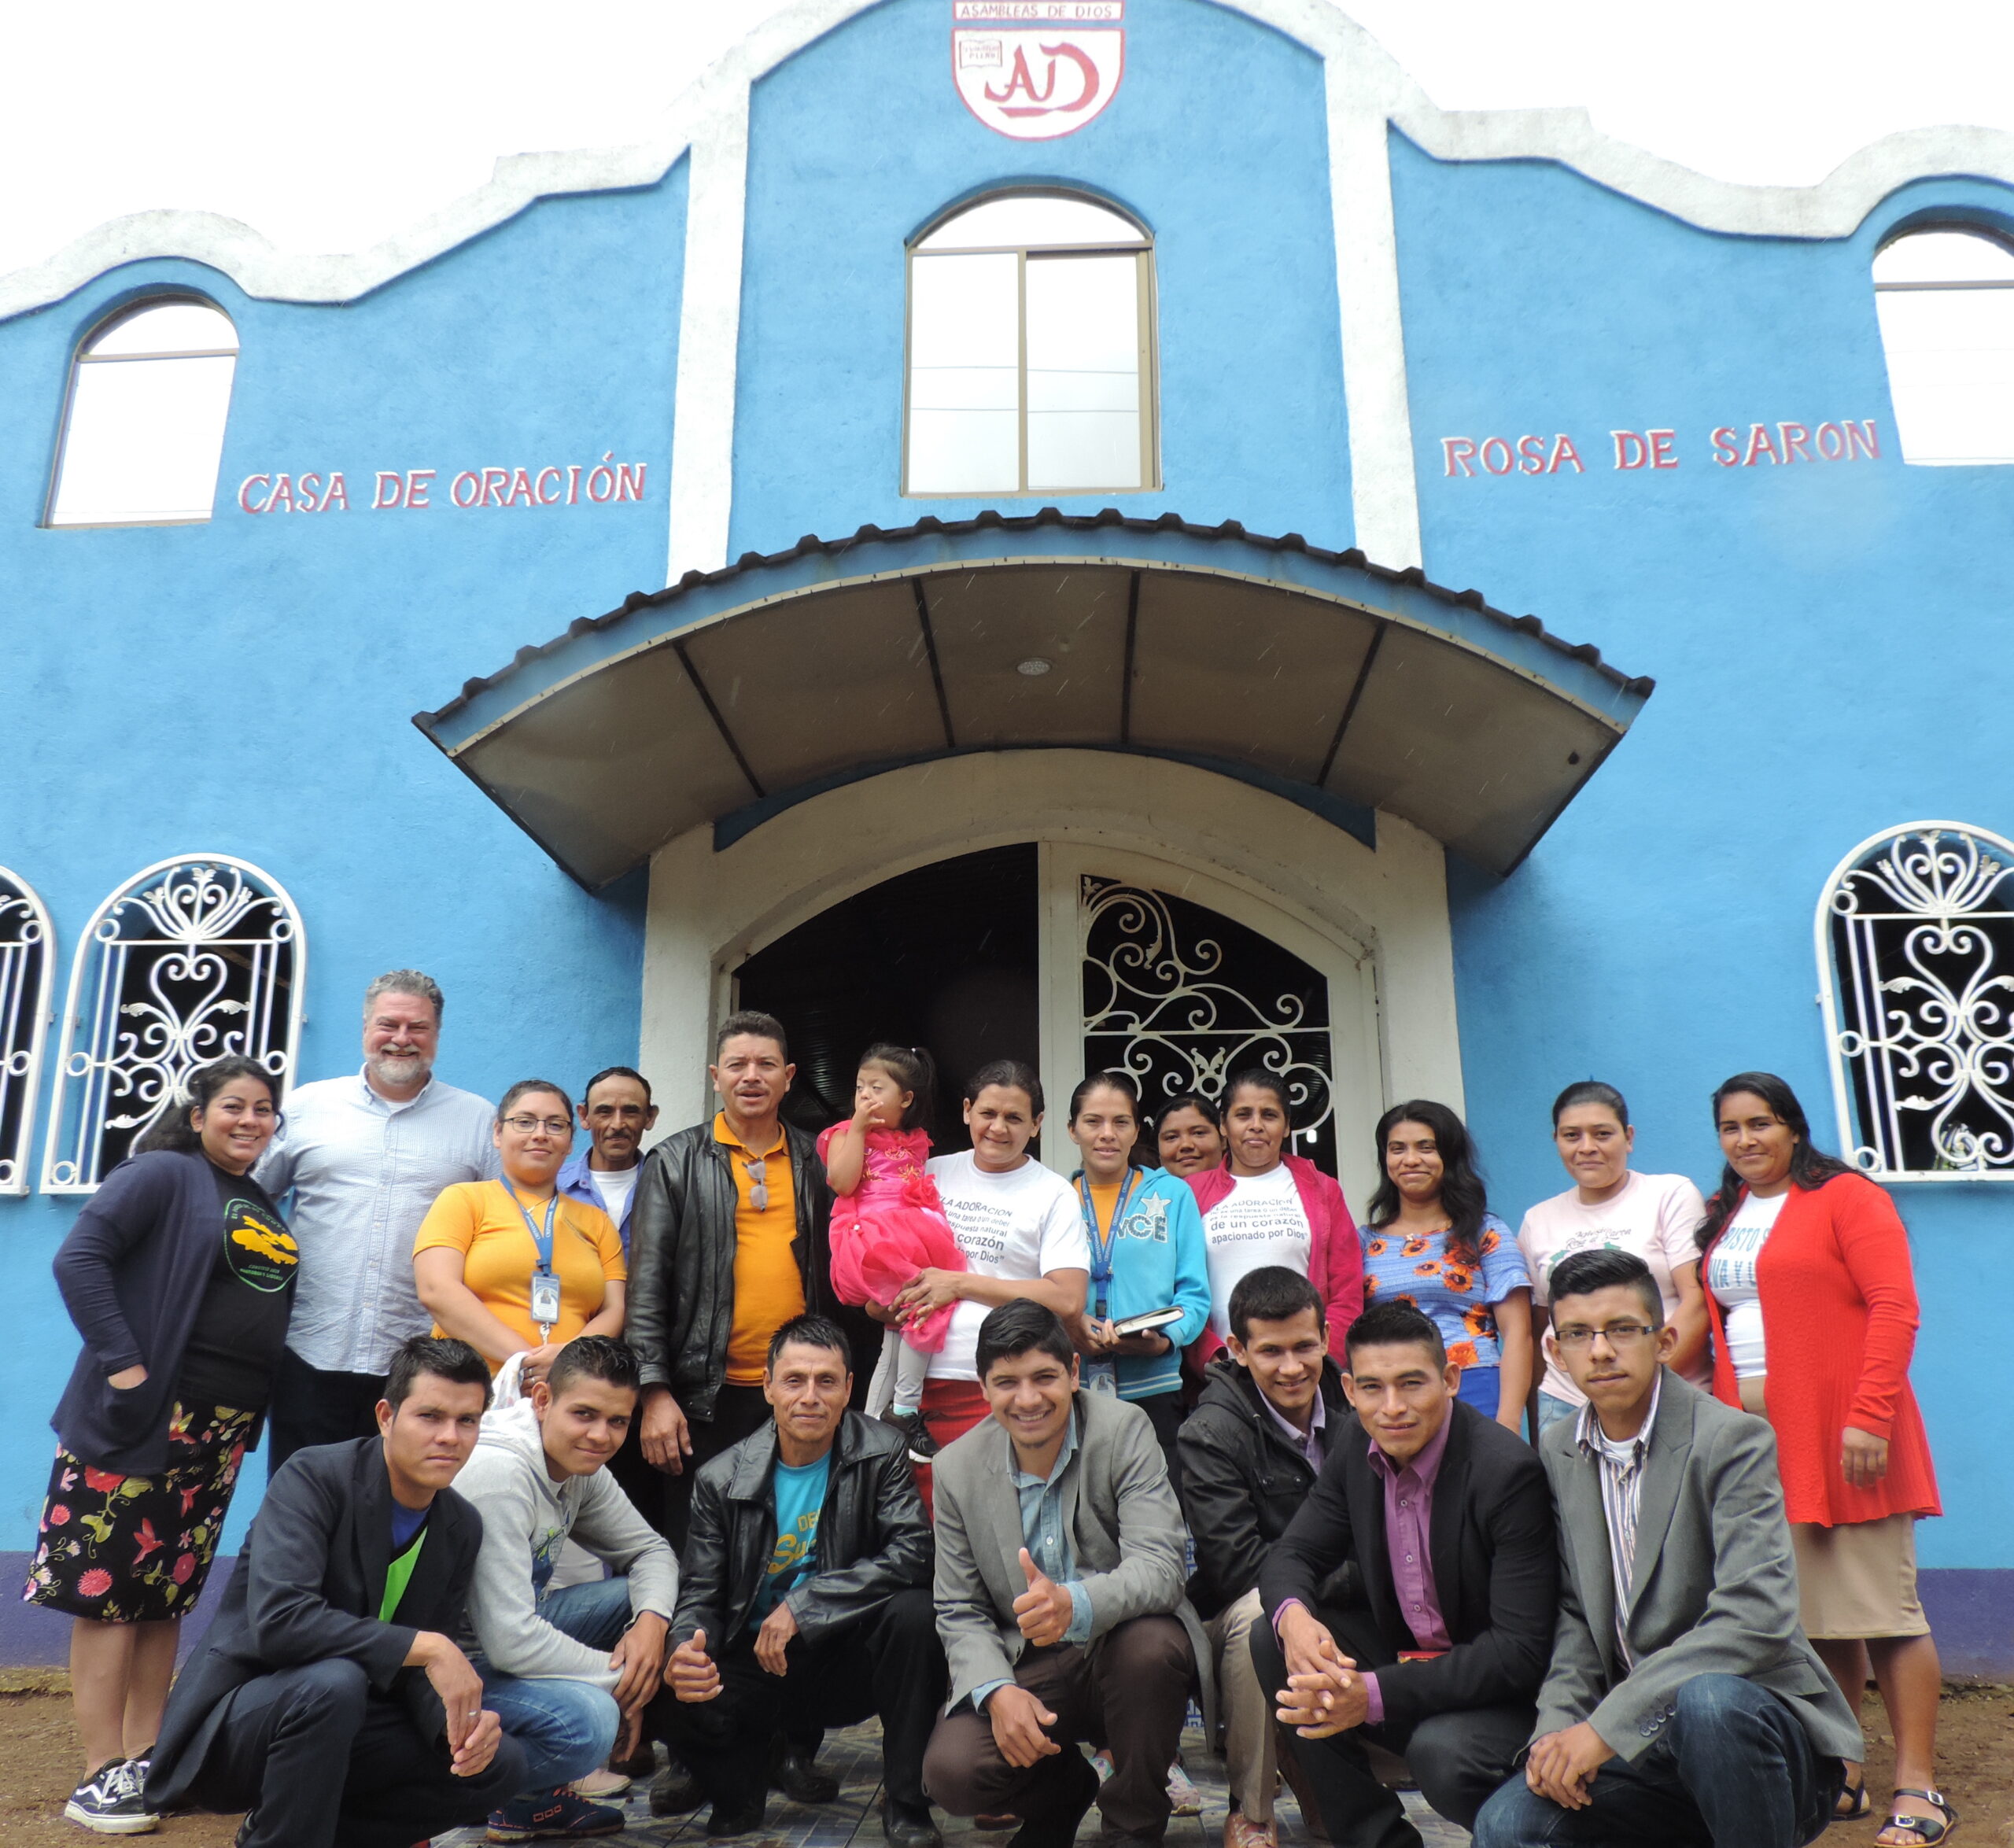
(1044, 1610)
(693, 1675)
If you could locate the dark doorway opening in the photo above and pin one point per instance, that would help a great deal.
(945, 956)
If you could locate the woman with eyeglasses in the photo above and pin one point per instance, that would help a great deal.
(514, 1266)
(1813, 1306)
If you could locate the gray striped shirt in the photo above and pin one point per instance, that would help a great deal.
(1622, 1466)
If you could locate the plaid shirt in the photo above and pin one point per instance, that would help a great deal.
(1621, 1464)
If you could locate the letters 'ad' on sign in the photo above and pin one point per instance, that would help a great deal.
(1037, 69)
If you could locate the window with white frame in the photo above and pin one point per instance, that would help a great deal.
(143, 429)
(1945, 301)
(194, 958)
(1031, 351)
(1916, 964)
(27, 956)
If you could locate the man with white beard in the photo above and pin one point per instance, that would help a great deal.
(364, 1157)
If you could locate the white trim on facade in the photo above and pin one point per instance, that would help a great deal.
(1260, 859)
(24, 1015)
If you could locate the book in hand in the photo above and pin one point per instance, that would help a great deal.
(1146, 1321)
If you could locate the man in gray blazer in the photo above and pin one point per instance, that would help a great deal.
(1059, 1595)
(1684, 1705)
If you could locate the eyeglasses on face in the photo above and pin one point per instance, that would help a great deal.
(526, 1126)
(1619, 1335)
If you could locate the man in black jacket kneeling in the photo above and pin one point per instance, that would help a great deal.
(1447, 1518)
(328, 1697)
(804, 1599)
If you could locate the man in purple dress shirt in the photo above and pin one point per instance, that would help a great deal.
(1448, 1519)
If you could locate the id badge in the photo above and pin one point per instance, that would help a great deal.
(545, 1298)
(1101, 1376)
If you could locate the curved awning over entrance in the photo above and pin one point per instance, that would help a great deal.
(1339, 684)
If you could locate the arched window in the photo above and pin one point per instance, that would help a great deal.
(1031, 351)
(194, 958)
(1945, 301)
(1916, 966)
(143, 430)
(27, 957)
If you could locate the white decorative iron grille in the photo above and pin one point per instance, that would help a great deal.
(27, 957)
(194, 958)
(1915, 963)
(1181, 996)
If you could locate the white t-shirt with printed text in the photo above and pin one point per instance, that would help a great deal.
(1655, 1217)
(1260, 1222)
(1022, 1224)
(1731, 1276)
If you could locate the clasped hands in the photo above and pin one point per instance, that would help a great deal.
(1561, 1765)
(1324, 1694)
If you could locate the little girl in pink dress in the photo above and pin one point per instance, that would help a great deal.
(888, 1223)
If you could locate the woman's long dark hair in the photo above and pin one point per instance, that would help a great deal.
(172, 1130)
(1809, 1167)
(1463, 1196)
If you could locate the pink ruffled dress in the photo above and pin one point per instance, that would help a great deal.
(892, 1227)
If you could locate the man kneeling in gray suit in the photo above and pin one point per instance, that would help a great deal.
(1059, 1599)
(1685, 1706)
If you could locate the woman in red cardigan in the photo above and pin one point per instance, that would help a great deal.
(1265, 1207)
(1813, 1311)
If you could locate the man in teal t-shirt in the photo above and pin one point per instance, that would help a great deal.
(805, 1598)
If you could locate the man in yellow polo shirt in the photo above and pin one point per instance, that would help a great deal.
(727, 1243)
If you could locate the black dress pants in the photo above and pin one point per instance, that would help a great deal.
(887, 1663)
(310, 1407)
(739, 1412)
(323, 1762)
(1458, 1759)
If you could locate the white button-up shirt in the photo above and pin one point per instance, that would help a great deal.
(363, 1171)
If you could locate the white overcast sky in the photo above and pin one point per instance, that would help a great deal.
(330, 128)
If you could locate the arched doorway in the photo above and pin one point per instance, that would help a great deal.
(1074, 959)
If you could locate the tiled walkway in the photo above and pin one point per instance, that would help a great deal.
(854, 1757)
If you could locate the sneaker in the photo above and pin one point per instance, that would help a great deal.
(109, 1800)
(1241, 1832)
(599, 1785)
(553, 1815)
(1186, 1799)
(923, 1447)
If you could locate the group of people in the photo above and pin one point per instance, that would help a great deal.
(1601, 1525)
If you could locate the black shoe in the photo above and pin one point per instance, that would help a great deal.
(923, 1447)
(109, 1802)
(674, 1790)
(794, 1773)
(906, 1828)
(725, 1822)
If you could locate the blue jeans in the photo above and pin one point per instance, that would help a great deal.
(1552, 1409)
(567, 1728)
(1735, 1768)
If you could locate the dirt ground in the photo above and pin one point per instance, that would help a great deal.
(39, 1764)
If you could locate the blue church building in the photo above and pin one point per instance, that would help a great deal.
(1113, 531)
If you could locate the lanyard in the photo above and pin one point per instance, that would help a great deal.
(1101, 1245)
(542, 1240)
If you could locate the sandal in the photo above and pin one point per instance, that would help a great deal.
(1853, 1802)
(1930, 1828)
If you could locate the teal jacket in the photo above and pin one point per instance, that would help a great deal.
(1157, 1263)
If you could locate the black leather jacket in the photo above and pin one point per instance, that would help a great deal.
(1242, 1482)
(873, 1539)
(680, 1306)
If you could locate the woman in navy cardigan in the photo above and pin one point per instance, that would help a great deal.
(179, 1274)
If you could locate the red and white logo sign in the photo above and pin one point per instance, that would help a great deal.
(1036, 69)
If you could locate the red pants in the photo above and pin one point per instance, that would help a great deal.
(950, 1408)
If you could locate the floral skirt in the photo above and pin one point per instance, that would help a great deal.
(136, 1549)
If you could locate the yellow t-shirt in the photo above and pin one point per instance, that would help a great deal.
(481, 1220)
(768, 1290)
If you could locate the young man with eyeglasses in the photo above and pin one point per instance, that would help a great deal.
(727, 1242)
(1684, 1705)
(1440, 1653)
